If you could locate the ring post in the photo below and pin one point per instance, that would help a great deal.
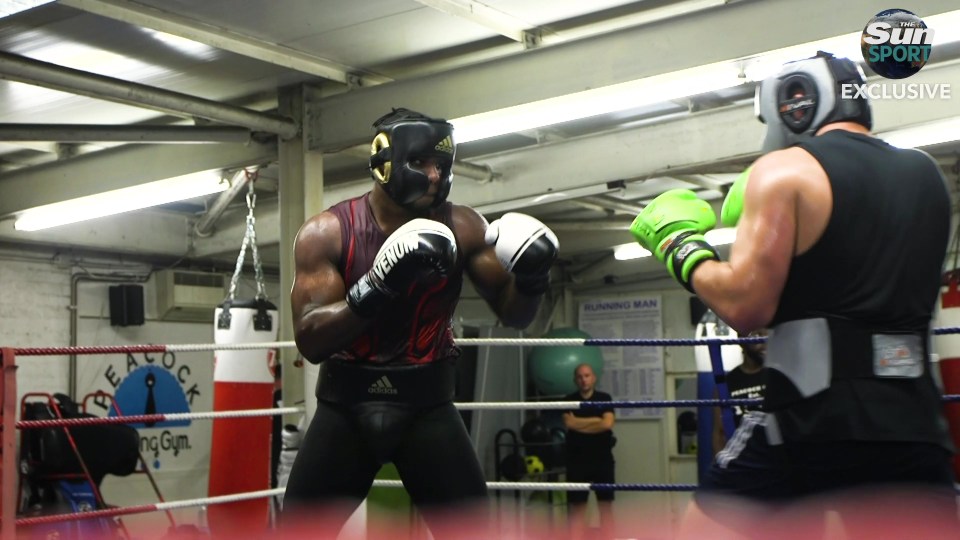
(720, 378)
(8, 467)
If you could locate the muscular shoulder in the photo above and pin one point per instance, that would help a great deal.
(318, 240)
(785, 170)
(469, 226)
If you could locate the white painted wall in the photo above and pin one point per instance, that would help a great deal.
(35, 312)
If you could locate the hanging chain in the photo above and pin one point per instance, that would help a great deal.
(249, 239)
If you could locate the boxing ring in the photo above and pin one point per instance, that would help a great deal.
(10, 523)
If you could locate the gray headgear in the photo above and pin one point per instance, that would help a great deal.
(805, 96)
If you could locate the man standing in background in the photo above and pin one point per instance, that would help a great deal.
(589, 455)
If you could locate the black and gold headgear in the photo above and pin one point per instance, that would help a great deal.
(403, 136)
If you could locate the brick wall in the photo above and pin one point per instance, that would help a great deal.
(34, 312)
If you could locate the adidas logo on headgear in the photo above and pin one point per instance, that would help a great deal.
(446, 145)
(382, 386)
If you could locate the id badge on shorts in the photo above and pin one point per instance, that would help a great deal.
(897, 356)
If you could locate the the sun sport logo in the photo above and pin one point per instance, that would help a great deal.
(896, 44)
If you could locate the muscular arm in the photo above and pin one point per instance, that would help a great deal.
(590, 424)
(491, 280)
(323, 323)
(745, 290)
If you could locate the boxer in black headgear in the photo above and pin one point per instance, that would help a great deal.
(377, 280)
(403, 137)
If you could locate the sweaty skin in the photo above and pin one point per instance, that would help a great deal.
(787, 205)
(324, 324)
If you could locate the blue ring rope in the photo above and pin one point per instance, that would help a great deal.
(947, 398)
(634, 342)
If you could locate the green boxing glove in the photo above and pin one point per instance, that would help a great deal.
(672, 227)
(733, 204)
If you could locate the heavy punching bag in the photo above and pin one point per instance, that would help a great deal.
(242, 379)
(240, 448)
(948, 349)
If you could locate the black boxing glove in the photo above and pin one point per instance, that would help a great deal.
(419, 248)
(526, 247)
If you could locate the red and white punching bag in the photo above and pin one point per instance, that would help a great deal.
(947, 346)
(240, 449)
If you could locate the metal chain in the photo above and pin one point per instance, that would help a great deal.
(249, 239)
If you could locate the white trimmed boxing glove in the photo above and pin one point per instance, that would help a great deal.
(526, 247)
(420, 248)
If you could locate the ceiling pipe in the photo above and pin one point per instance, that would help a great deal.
(128, 133)
(47, 75)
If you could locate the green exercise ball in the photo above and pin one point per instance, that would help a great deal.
(551, 366)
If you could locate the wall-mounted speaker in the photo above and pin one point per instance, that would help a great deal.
(126, 305)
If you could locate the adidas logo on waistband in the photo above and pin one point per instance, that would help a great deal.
(446, 145)
(382, 386)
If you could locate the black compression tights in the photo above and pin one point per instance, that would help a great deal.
(335, 466)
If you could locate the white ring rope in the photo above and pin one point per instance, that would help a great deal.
(502, 342)
(523, 405)
(262, 494)
(233, 414)
(221, 499)
(521, 486)
(161, 417)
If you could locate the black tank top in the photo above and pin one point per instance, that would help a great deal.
(878, 263)
(412, 330)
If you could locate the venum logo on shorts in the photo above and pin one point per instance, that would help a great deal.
(382, 386)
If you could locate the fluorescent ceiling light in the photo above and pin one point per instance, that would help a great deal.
(120, 200)
(182, 44)
(607, 99)
(10, 7)
(671, 86)
(716, 237)
(927, 134)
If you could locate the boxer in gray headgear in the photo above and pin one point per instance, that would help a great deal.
(403, 136)
(805, 96)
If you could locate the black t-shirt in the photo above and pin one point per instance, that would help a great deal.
(589, 446)
(743, 385)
